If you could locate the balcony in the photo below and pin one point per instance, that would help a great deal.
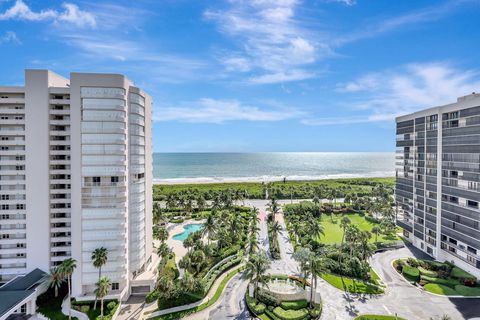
(405, 224)
(13, 100)
(59, 102)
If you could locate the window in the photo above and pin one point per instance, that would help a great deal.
(5, 207)
(453, 241)
(472, 204)
(5, 197)
(20, 206)
(472, 250)
(115, 286)
(96, 181)
(20, 245)
(5, 236)
(114, 179)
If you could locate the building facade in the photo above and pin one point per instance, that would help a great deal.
(438, 181)
(75, 175)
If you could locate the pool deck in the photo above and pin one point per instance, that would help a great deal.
(177, 245)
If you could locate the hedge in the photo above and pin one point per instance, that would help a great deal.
(467, 291)
(294, 305)
(428, 273)
(152, 296)
(410, 273)
(290, 314)
(461, 274)
(449, 282)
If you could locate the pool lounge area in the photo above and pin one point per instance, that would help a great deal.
(187, 230)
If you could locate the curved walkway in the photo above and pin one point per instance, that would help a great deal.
(207, 298)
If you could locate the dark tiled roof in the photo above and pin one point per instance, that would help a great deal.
(25, 282)
(15, 291)
(9, 299)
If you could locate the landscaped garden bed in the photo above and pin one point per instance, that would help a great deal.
(437, 277)
(268, 308)
(88, 307)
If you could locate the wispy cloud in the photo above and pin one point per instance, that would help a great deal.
(71, 14)
(208, 110)
(391, 93)
(9, 37)
(345, 2)
(271, 43)
(428, 14)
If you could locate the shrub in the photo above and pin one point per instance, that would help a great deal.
(410, 273)
(467, 291)
(448, 282)
(412, 262)
(290, 314)
(267, 298)
(428, 273)
(461, 274)
(111, 305)
(440, 289)
(469, 282)
(259, 308)
(152, 296)
(294, 305)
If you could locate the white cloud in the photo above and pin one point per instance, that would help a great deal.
(345, 2)
(208, 110)
(74, 15)
(292, 75)
(71, 14)
(413, 87)
(270, 40)
(9, 37)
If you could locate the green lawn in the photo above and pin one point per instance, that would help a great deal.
(351, 285)
(440, 289)
(377, 317)
(334, 233)
(184, 313)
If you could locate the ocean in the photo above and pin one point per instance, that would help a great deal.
(172, 168)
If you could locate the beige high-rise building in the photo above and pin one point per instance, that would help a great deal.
(76, 175)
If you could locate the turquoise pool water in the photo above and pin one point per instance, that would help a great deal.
(187, 229)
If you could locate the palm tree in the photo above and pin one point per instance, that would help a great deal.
(55, 279)
(314, 228)
(160, 233)
(273, 208)
(256, 268)
(99, 258)
(303, 255)
(351, 237)
(187, 282)
(67, 268)
(103, 286)
(318, 266)
(209, 227)
(376, 230)
(275, 227)
(344, 223)
(164, 250)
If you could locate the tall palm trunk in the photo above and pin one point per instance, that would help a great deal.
(101, 308)
(99, 276)
(69, 299)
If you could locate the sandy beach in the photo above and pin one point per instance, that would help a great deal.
(265, 179)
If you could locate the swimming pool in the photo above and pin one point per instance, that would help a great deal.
(187, 229)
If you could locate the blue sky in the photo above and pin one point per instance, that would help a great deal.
(259, 75)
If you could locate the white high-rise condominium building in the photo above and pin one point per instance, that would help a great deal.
(75, 175)
(438, 181)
